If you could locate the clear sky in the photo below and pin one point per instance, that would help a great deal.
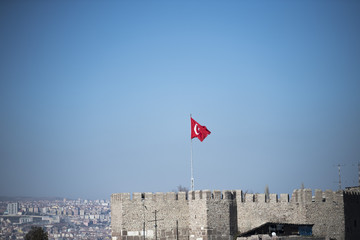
(96, 96)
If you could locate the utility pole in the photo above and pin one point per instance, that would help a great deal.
(155, 225)
(144, 208)
(177, 230)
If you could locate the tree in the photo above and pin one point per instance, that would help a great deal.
(37, 233)
(181, 189)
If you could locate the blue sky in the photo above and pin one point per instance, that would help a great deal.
(95, 96)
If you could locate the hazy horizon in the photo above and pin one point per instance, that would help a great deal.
(96, 97)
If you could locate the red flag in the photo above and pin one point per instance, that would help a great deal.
(201, 132)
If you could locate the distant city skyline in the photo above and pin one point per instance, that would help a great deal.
(64, 218)
(96, 97)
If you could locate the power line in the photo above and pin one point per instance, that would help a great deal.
(156, 220)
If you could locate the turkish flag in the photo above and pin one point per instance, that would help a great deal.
(201, 132)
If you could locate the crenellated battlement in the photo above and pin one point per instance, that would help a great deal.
(352, 193)
(298, 196)
(209, 195)
(158, 196)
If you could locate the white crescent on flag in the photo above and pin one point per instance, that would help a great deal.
(195, 130)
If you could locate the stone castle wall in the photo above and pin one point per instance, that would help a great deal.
(128, 216)
(206, 215)
(325, 210)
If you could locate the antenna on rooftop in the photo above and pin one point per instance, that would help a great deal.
(358, 172)
(340, 187)
(339, 175)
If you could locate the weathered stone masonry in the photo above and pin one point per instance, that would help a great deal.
(206, 215)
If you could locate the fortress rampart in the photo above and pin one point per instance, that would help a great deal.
(207, 215)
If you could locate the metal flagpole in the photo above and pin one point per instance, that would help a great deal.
(192, 173)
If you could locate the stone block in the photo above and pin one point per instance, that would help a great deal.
(329, 195)
(198, 194)
(249, 197)
(295, 196)
(206, 194)
(260, 197)
(136, 196)
(273, 197)
(307, 195)
(284, 197)
(239, 195)
(181, 195)
(125, 196)
(149, 196)
(339, 196)
(191, 195)
(217, 194)
(170, 196)
(318, 195)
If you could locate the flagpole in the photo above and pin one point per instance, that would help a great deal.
(192, 173)
(191, 159)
